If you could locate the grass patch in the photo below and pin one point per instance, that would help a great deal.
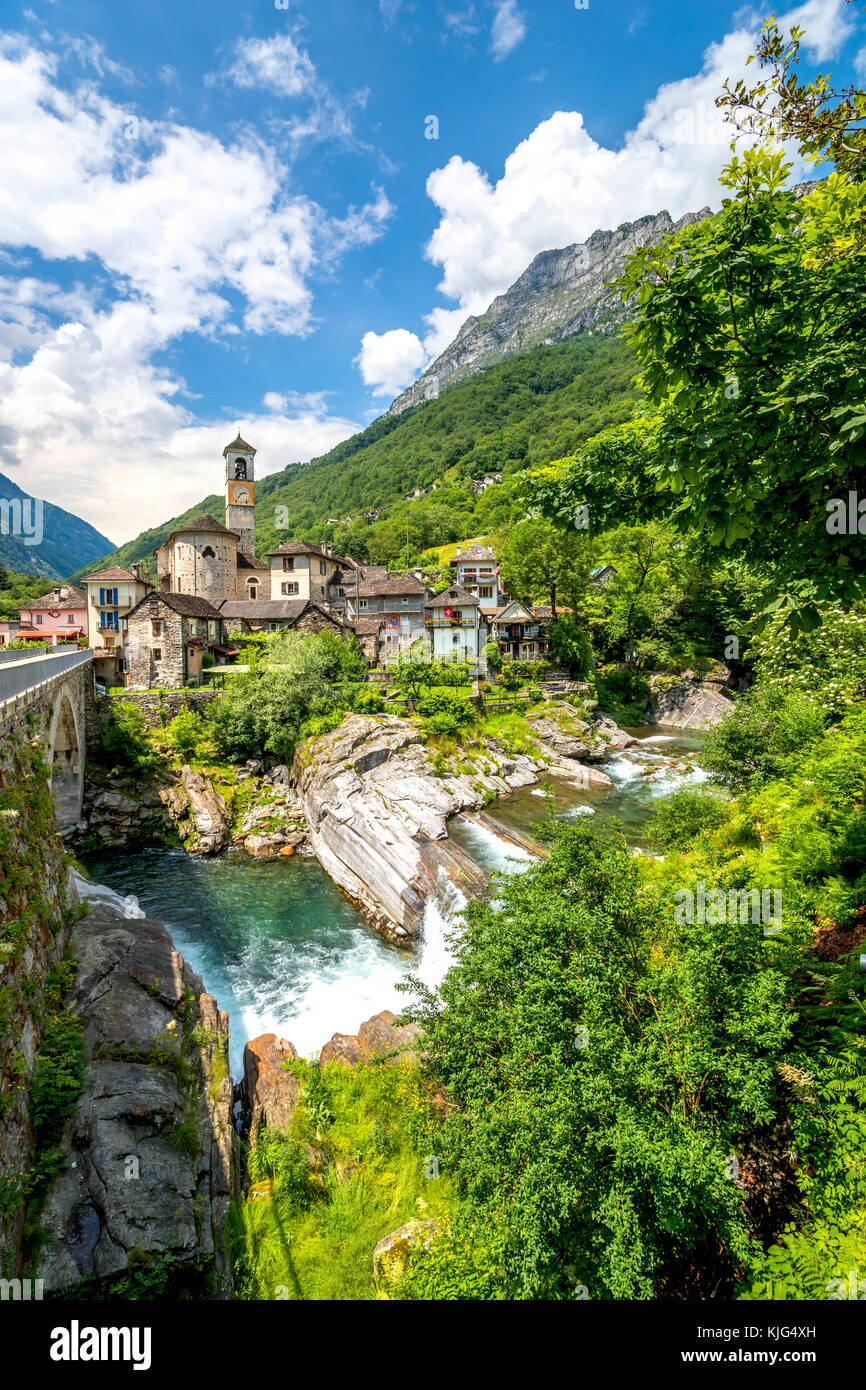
(349, 1171)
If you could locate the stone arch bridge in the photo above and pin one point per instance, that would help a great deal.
(51, 694)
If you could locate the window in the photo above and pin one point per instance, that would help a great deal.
(289, 588)
(405, 602)
(455, 638)
(323, 568)
(157, 627)
(208, 553)
(485, 591)
(157, 653)
(362, 603)
(38, 617)
(288, 563)
(70, 619)
(252, 590)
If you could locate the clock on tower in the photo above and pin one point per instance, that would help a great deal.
(240, 495)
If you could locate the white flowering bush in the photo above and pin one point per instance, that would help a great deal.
(827, 666)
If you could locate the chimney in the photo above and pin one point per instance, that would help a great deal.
(458, 551)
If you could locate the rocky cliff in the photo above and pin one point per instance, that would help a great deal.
(148, 1156)
(561, 293)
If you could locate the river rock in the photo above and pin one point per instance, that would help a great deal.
(208, 811)
(614, 736)
(686, 704)
(377, 813)
(270, 1094)
(149, 1165)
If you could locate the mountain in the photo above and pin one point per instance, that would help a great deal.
(525, 411)
(560, 294)
(67, 543)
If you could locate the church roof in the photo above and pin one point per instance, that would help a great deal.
(241, 444)
(251, 562)
(200, 523)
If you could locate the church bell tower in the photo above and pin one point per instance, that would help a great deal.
(240, 498)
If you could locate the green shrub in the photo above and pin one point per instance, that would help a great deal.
(680, 818)
(622, 692)
(572, 647)
(125, 743)
(493, 656)
(760, 737)
(58, 1076)
(191, 735)
(368, 700)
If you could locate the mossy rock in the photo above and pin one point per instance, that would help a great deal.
(393, 1254)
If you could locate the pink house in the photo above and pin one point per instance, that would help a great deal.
(60, 616)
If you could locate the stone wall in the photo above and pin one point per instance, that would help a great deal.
(196, 571)
(35, 914)
(160, 706)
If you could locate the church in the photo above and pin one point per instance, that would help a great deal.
(211, 586)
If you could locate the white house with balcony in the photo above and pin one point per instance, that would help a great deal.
(455, 625)
(476, 570)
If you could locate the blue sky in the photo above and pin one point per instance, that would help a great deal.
(215, 216)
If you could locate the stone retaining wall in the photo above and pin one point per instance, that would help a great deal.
(160, 706)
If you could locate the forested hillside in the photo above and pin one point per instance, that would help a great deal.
(527, 411)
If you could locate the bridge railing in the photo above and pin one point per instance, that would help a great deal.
(18, 678)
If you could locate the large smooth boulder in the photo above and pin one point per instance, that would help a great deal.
(686, 704)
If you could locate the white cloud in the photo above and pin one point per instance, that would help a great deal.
(277, 64)
(181, 229)
(281, 66)
(389, 361)
(508, 29)
(559, 185)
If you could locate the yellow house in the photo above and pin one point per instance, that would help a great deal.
(111, 594)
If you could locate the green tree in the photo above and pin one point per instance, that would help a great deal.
(541, 563)
(750, 338)
(603, 1062)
